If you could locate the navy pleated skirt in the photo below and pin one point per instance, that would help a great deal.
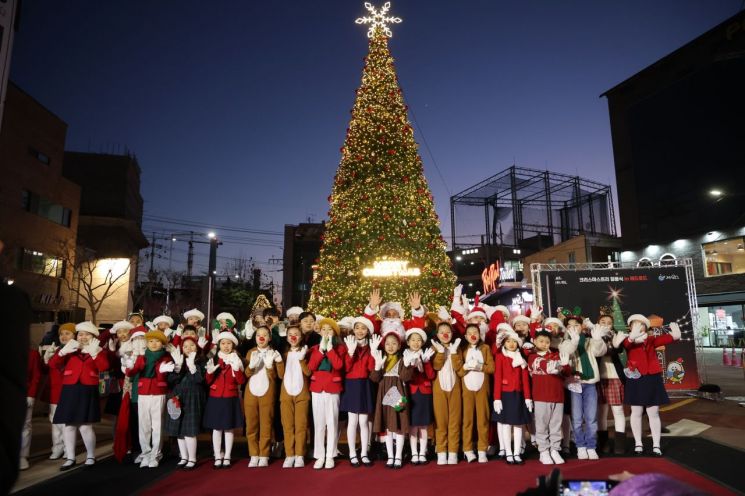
(222, 414)
(421, 410)
(357, 396)
(514, 411)
(78, 404)
(648, 390)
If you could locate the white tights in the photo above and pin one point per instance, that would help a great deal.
(513, 433)
(89, 440)
(655, 424)
(418, 434)
(399, 444)
(355, 419)
(217, 444)
(619, 419)
(500, 436)
(187, 447)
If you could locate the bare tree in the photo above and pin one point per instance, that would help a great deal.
(94, 280)
(240, 268)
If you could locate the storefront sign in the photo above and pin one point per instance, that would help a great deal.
(490, 277)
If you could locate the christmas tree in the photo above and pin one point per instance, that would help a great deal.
(619, 322)
(383, 231)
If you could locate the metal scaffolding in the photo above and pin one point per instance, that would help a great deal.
(520, 203)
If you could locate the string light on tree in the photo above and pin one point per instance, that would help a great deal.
(382, 230)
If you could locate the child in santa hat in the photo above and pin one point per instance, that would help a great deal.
(326, 364)
(222, 411)
(512, 397)
(186, 400)
(446, 394)
(419, 360)
(264, 365)
(478, 365)
(164, 323)
(152, 369)
(547, 373)
(79, 406)
(66, 332)
(294, 398)
(357, 398)
(644, 387)
(391, 405)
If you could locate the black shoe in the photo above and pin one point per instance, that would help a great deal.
(397, 464)
(67, 466)
(603, 446)
(354, 462)
(619, 444)
(638, 450)
(656, 451)
(510, 460)
(366, 461)
(389, 463)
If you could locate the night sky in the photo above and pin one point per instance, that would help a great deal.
(236, 110)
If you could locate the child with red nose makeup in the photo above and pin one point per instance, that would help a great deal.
(446, 394)
(294, 398)
(478, 365)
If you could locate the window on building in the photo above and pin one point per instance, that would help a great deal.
(726, 256)
(39, 263)
(31, 202)
(40, 156)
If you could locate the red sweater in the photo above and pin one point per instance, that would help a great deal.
(359, 366)
(643, 356)
(422, 381)
(33, 373)
(224, 381)
(508, 378)
(151, 386)
(327, 381)
(80, 368)
(547, 387)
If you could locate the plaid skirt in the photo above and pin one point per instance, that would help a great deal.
(610, 391)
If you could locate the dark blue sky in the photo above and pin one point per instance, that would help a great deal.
(236, 109)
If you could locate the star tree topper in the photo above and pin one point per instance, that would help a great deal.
(378, 19)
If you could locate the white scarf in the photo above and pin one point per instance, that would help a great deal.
(293, 381)
(517, 358)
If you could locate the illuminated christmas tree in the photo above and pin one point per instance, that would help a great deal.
(619, 322)
(383, 231)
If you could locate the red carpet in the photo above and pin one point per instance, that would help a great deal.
(495, 477)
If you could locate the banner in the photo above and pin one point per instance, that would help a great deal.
(659, 293)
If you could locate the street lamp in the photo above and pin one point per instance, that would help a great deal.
(716, 192)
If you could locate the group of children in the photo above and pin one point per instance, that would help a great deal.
(478, 374)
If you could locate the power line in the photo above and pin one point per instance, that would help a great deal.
(205, 225)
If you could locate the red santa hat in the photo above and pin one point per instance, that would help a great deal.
(477, 311)
(553, 320)
(138, 332)
(505, 311)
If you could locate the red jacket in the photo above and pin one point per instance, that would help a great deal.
(643, 356)
(151, 386)
(225, 382)
(327, 381)
(547, 387)
(33, 374)
(359, 366)
(508, 378)
(79, 367)
(55, 381)
(422, 381)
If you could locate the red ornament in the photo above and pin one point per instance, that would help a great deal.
(434, 290)
(436, 273)
(412, 223)
(391, 152)
(406, 179)
(381, 237)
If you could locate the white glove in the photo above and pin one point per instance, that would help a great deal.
(49, 353)
(619, 338)
(71, 347)
(112, 344)
(553, 367)
(598, 331)
(535, 312)
(529, 404)
(527, 345)
(269, 360)
(587, 323)
(351, 343)
(128, 362)
(427, 355)
(457, 291)
(322, 345)
(190, 364)
(568, 346)
(215, 333)
(248, 330)
(149, 325)
(177, 356)
(675, 330)
(303, 352)
(276, 356)
(179, 330)
(443, 314)
(93, 348)
(166, 367)
(469, 365)
(379, 360)
(636, 332)
(254, 361)
(138, 347)
(438, 347)
(498, 406)
(563, 357)
(211, 366)
(235, 361)
(453, 348)
(407, 358)
(202, 342)
(375, 341)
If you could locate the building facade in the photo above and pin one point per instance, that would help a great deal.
(40, 208)
(678, 134)
(302, 247)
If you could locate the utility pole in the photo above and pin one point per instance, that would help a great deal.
(152, 258)
(190, 259)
